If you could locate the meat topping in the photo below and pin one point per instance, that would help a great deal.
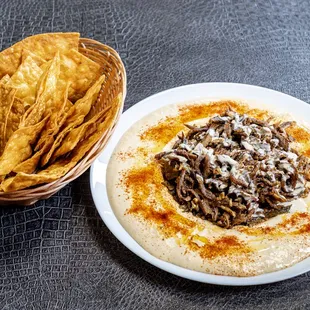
(235, 170)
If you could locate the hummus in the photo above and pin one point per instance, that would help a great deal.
(154, 219)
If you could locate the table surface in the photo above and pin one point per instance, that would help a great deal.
(58, 254)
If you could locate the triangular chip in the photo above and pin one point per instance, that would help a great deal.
(38, 60)
(56, 119)
(82, 107)
(43, 45)
(77, 134)
(46, 139)
(18, 148)
(50, 174)
(7, 95)
(46, 156)
(45, 65)
(80, 71)
(46, 92)
(25, 80)
(68, 106)
(76, 116)
(62, 166)
(30, 164)
(14, 117)
(5, 79)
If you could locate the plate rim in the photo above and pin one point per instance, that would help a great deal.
(107, 215)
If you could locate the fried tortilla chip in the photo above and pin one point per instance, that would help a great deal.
(5, 79)
(7, 95)
(77, 134)
(46, 93)
(43, 45)
(46, 139)
(25, 80)
(80, 71)
(56, 119)
(46, 156)
(46, 65)
(18, 148)
(82, 107)
(76, 116)
(14, 117)
(62, 166)
(38, 60)
(50, 174)
(68, 106)
(30, 164)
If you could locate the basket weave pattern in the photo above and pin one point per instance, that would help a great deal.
(113, 85)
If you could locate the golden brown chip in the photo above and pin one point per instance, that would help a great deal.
(80, 71)
(91, 138)
(50, 174)
(5, 79)
(24, 180)
(47, 84)
(7, 95)
(2, 129)
(82, 107)
(14, 117)
(46, 92)
(56, 119)
(18, 148)
(75, 116)
(25, 80)
(46, 139)
(30, 164)
(62, 166)
(45, 158)
(38, 60)
(43, 45)
(68, 106)
(46, 65)
(77, 134)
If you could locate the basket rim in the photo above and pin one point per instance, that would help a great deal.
(35, 193)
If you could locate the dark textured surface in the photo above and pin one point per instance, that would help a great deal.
(58, 254)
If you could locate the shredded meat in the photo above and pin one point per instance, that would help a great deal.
(235, 170)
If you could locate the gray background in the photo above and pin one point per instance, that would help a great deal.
(58, 254)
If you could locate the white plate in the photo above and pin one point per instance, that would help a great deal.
(273, 99)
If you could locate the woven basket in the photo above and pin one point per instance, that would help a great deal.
(114, 84)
